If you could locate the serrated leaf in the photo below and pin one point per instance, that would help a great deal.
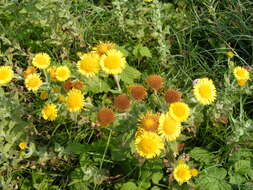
(129, 74)
(201, 155)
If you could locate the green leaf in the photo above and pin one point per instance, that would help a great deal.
(237, 179)
(218, 173)
(156, 177)
(76, 148)
(144, 184)
(213, 178)
(129, 74)
(155, 188)
(144, 51)
(242, 167)
(129, 186)
(201, 155)
(96, 85)
(123, 50)
(140, 51)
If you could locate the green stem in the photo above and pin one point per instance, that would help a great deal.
(107, 145)
(157, 97)
(116, 78)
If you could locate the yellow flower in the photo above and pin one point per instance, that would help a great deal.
(43, 95)
(22, 145)
(6, 74)
(149, 144)
(41, 60)
(230, 54)
(89, 64)
(113, 62)
(194, 172)
(149, 122)
(205, 91)
(62, 73)
(179, 111)
(33, 82)
(49, 112)
(240, 73)
(241, 82)
(168, 127)
(62, 99)
(103, 48)
(182, 173)
(52, 72)
(29, 70)
(75, 100)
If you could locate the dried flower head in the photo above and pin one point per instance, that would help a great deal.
(105, 116)
(68, 85)
(122, 102)
(78, 85)
(172, 96)
(138, 92)
(155, 82)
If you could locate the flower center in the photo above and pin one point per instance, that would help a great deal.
(41, 60)
(241, 73)
(169, 126)
(62, 73)
(74, 101)
(89, 64)
(205, 91)
(147, 146)
(179, 110)
(112, 62)
(4, 75)
(33, 83)
(182, 173)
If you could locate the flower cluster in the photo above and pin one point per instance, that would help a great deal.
(182, 172)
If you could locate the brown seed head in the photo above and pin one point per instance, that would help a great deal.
(172, 96)
(68, 85)
(155, 82)
(122, 102)
(78, 85)
(105, 116)
(138, 92)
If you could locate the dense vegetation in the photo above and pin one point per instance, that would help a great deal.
(87, 89)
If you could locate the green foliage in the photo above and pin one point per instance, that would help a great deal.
(179, 40)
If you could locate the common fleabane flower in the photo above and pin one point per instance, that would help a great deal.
(204, 91)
